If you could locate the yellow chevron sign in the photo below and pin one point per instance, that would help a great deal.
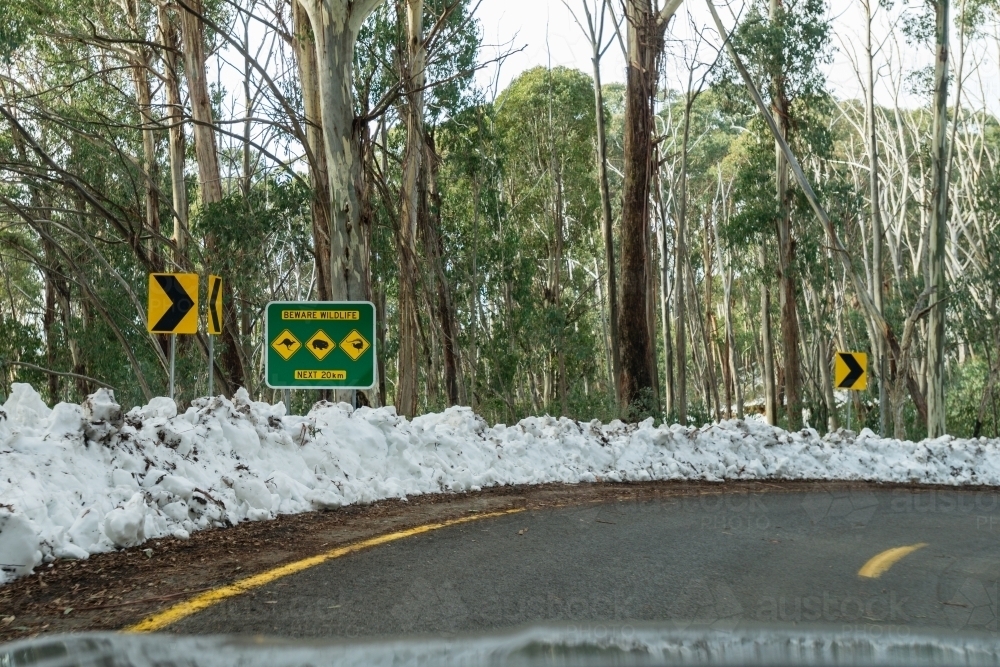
(215, 305)
(173, 303)
(850, 371)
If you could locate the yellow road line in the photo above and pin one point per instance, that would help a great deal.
(198, 603)
(881, 563)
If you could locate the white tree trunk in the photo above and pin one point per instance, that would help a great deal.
(416, 56)
(174, 117)
(336, 24)
(878, 277)
(201, 105)
(319, 179)
(936, 425)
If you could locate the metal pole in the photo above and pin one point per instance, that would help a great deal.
(288, 401)
(173, 346)
(211, 365)
(354, 399)
(850, 399)
(883, 397)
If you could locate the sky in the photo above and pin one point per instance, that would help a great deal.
(546, 33)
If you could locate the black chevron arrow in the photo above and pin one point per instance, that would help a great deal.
(216, 315)
(857, 371)
(181, 304)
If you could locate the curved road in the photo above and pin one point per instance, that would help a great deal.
(762, 558)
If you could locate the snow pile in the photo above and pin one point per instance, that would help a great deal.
(83, 479)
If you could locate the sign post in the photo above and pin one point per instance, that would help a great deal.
(320, 345)
(173, 354)
(850, 371)
(214, 326)
(211, 365)
(172, 309)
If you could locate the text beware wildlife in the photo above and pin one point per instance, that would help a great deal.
(336, 315)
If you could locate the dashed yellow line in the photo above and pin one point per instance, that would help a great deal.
(880, 564)
(205, 600)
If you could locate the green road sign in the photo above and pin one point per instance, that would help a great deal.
(320, 345)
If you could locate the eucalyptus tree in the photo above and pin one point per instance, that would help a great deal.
(428, 60)
(594, 27)
(875, 204)
(335, 25)
(414, 78)
(647, 24)
(697, 72)
(550, 191)
(938, 232)
(415, 63)
(785, 44)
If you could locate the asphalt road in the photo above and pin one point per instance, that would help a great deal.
(776, 558)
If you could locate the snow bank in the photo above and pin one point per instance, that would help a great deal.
(83, 479)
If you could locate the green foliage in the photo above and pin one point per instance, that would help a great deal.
(276, 212)
(789, 48)
(498, 204)
(757, 208)
(21, 342)
(451, 64)
(16, 24)
(966, 386)
(645, 406)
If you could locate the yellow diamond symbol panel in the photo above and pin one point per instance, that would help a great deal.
(286, 344)
(354, 345)
(320, 345)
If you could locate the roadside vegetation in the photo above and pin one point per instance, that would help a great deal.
(652, 248)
